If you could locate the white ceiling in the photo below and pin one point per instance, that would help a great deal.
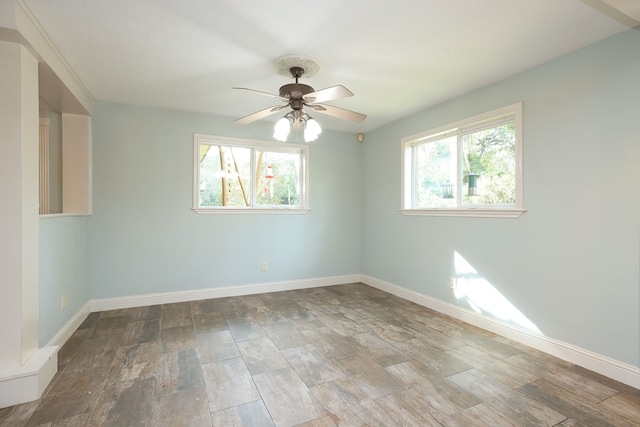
(397, 57)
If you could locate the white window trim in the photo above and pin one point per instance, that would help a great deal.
(251, 143)
(454, 128)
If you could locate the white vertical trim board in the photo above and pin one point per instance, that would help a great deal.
(608, 367)
(44, 165)
(26, 383)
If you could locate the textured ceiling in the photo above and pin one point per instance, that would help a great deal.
(397, 57)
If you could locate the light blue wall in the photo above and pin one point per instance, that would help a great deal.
(571, 263)
(63, 268)
(144, 238)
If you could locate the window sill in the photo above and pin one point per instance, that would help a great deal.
(250, 211)
(62, 215)
(467, 212)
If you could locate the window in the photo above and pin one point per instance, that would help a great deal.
(234, 175)
(469, 168)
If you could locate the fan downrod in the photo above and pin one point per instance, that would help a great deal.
(295, 91)
(296, 72)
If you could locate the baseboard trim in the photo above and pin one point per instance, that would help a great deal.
(230, 291)
(608, 367)
(71, 326)
(26, 383)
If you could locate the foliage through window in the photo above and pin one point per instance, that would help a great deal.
(239, 175)
(469, 168)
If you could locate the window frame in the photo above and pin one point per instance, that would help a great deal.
(302, 150)
(464, 126)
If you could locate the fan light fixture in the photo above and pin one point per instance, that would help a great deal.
(298, 96)
(299, 121)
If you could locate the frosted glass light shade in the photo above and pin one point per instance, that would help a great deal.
(312, 130)
(281, 131)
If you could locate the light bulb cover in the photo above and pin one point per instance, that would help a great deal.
(314, 126)
(312, 130)
(282, 128)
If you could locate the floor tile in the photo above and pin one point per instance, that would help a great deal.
(215, 346)
(319, 422)
(439, 361)
(287, 398)
(151, 312)
(209, 322)
(58, 406)
(311, 367)
(332, 345)
(381, 351)
(141, 332)
(229, 383)
(349, 405)
(443, 395)
(569, 404)
(134, 362)
(125, 404)
(112, 322)
(479, 384)
(245, 328)
(98, 350)
(372, 378)
(174, 315)
(407, 408)
(285, 335)
(185, 408)
(389, 332)
(177, 338)
(261, 355)
(587, 389)
(252, 414)
(624, 404)
(178, 371)
(523, 410)
(496, 368)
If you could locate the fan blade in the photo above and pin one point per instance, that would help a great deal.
(340, 113)
(270, 95)
(328, 94)
(259, 114)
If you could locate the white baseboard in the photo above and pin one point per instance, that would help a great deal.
(26, 383)
(72, 325)
(230, 291)
(608, 367)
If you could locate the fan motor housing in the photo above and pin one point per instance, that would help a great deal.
(295, 92)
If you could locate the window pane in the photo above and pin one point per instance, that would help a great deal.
(489, 169)
(470, 168)
(277, 178)
(224, 175)
(435, 174)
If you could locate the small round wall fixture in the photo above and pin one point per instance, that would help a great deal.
(284, 64)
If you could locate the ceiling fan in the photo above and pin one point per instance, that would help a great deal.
(297, 96)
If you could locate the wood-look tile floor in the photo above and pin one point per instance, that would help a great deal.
(347, 355)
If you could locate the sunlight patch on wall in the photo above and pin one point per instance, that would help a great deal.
(483, 297)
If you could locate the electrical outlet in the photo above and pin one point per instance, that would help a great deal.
(64, 300)
(453, 283)
(264, 266)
